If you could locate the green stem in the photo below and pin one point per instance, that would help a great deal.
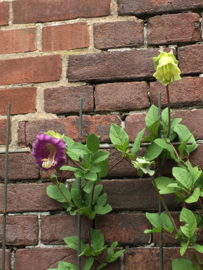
(76, 164)
(169, 112)
(164, 205)
(90, 222)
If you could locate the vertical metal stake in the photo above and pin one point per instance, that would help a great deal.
(79, 183)
(160, 205)
(5, 188)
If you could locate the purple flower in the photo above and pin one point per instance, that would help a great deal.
(49, 152)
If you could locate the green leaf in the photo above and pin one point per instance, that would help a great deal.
(95, 168)
(157, 229)
(183, 177)
(101, 201)
(184, 246)
(66, 266)
(97, 239)
(182, 264)
(118, 135)
(68, 168)
(104, 166)
(182, 146)
(102, 210)
(79, 149)
(100, 156)
(111, 256)
(72, 242)
(162, 143)
(198, 248)
(55, 193)
(194, 197)
(77, 197)
(88, 263)
(93, 143)
(191, 224)
(154, 219)
(88, 187)
(101, 266)
(98, 252)
(86, 211)
(153, 151)
(92, 176)
(167, 224)
(137, 142)
(69, 141)
(152, 116)
(183, 134)
(86, 251)
(195, 173)
(162, 184)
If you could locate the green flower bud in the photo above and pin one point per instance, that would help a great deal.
(143, 166)
(166, 66)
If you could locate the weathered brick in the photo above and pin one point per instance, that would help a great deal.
(140, 8)
(17, 40)
(98, 124)
(188, 116)
(196, 157)
(134, 124)
(190, 59)
(174, 28)
(121, 96)
(30, 69)
(7, 259)
(3, 129)
(56, 228)
(23, 100)
(148, 258)
(28, 197)
(126, 229)
(65, 37)
(186, 92)
(119, 34)
(46, 258)
(20, 230)
(67, 99)
(4, 13)
(129, 194)
(28, 11)
(107, 65)
(20, 166)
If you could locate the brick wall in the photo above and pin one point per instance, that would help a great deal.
(51, 54)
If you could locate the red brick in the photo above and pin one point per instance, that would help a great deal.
(65, 37)
(145, 7)
(67, 99)
(135, 194)
(119, 34)
(4, 13)
(174, 28)
(17, 40)
(28, 11)
(134, 124)
(98, 124)
(148, 258)
(121, 96)
(28, 197)
(30, 69)
(20, 167)
(56, 228)
(20, 230)
(3, 130)
(23, 100)
(190, 59)
(186, 92)
(196, 127)
(106, 66)
(7, 259)
(126, 229)
(47, 258)
(196, 157)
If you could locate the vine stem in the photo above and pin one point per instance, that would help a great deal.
(76, 164)
(164, 205)
(169, 111)
(116, 164)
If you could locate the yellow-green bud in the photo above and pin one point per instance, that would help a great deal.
(166, 66)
